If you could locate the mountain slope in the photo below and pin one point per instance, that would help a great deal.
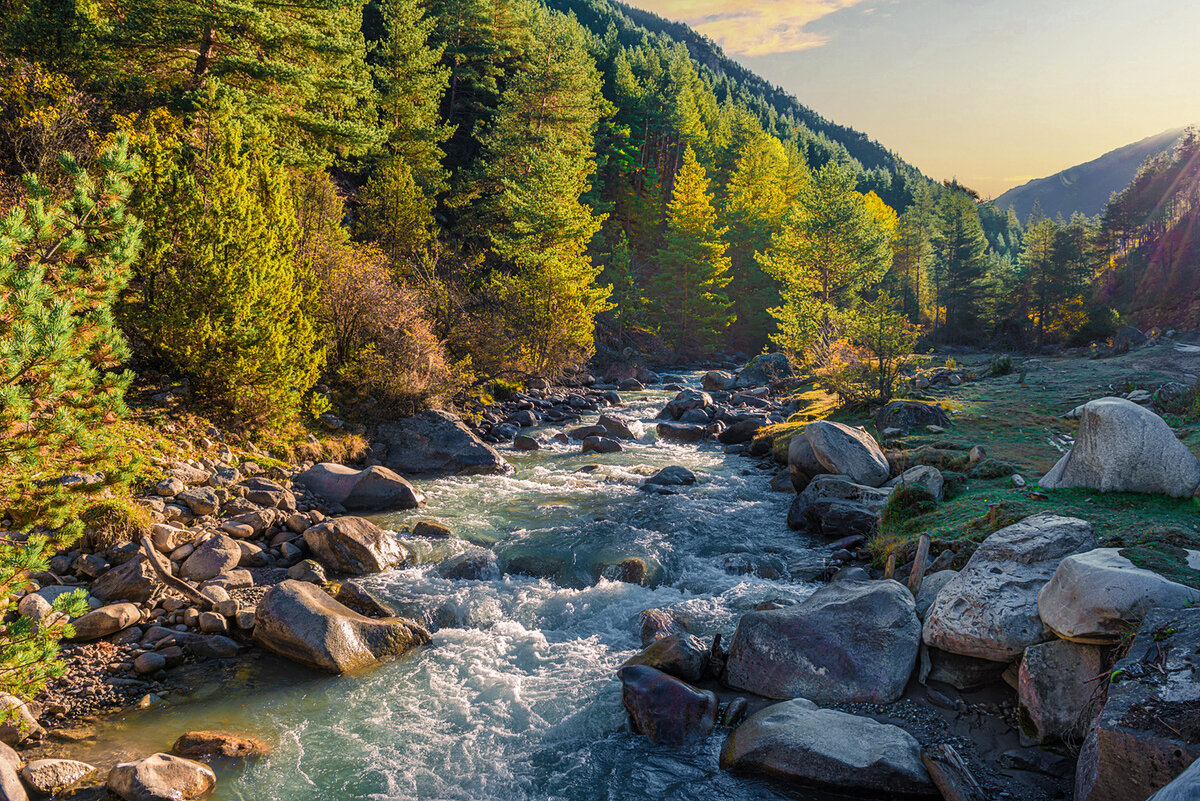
(1087, 187)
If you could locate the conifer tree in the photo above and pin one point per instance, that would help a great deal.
(396, 213)
(959, 266)
(689, 305)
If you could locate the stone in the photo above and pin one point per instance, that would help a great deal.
(907, 415)
(1100, 596)
(432, 529)
(990, 609)
(665, 709)
(105, 621)
(717, 381)
(35, 607)
(803, 464)
(804, 745)
(166, 538)
(601, 445)
(471, 565)
(213, 623)
(852, 641)
(1056, 690)
(17, 721)
(308, 570)
(680, 432)
(834, 517)
(374, 489)
(659, 623)
(524, 442)
(268, 493)
(438, 443)
(169, 487)
(931, 585)
(206, 745)
(1124, 447)
(619, 427)
(361, 600)
(354, 546)
(1185, 787)
(201, 500)
(672, 476)
(55, 776)
(161, 777)
(685, 401)
(133, 581)
(828, 486)
(191, 476)
(149, 662)
(680, 655)
(300, 622)
(11, 788)
(848, 451)
(211, 558)
(924, 476)
(961, 672)
(764, 370)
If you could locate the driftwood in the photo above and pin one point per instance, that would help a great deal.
(164, 575)
(950, 774)
(918, 570)
(890, 570)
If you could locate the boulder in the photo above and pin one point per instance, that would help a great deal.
(471, 565)
(55, 776)
(804, 745)
(680, 432)
(764, 370)
(371, 490)
(524, 442)
(931, 585)
(438, 443)
(362, 600)
(619, 427)
(922, 476)
(205, 745)
(1056, 689)
(1186, 786)
(672, 476)
(717, 381)
(680, 655)
(272, 494)
(850, 641)
(833, 517)
(961, 672)
(309, 570)
(11, 788)
(907, 415)
(686, 401)
(665, 709)
(828, 487)
(803, 464)
(301, 622)
(133, 581)
(214, 556)
(741, 432)
(1148, 732)
(161, 777)
(601, 445)
(354, 546)
(1124, 447)
(17, 721)
(105, 621)
(990, 609)
(848, 451)
(1100, 596)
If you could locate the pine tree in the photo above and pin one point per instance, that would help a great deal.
(396, 213)
(689, 306)
(912, 252)
(959, 266)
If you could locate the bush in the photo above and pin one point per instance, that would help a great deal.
(1101, 324)
(1001, 365)
(907, 502)
(884, 339)
(114, 522)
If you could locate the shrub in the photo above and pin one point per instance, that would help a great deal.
(1001, 365)
(907, 502)
(114, 522)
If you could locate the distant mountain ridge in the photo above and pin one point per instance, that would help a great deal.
(1086, 188)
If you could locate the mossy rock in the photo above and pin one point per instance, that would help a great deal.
(114, 522)
(1163, 550)
(907, 503)
(953, 484)
(942, 458)
(991, 468)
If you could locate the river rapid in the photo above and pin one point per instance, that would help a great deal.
(517, 697)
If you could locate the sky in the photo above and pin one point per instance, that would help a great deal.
(992, 92)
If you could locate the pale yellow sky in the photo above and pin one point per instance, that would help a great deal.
(993, 92)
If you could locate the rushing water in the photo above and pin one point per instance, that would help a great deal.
(517, 697)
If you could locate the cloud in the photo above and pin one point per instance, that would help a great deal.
(758, 28)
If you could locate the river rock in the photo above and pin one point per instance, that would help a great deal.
(361, 600)
(201, 500)
(105, 621)
(133, 581)
(931, 585)
(1186, 786)
(471, 565)
(265, 492)
(681, 655)
(833, 517)
(658, 623)
(54, 776)
(1056, 689)
(438, 443)
(741, 431)
(214, 556)
(990, 609)
(680, 432)
(825, 487)
(804, 745)
(371, 490)
(1098, 596)
(848, 451)
(907, 415)
(923, 476)
(524, 442)
(601, 445)
(204, 745)
(803, 464)
(764, 370)
(850, 641)
(1147, 733)
(301, 622)
(717, 381)
(619, 427)
(665, 709)
(162, 777)
(354, 546)
(17, 721)
(1124, 447)
(672, 476)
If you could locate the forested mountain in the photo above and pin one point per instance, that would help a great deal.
(1086, 188)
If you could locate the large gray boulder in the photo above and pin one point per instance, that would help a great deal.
(371, 490)
(831, 487)
(620, 427)
(906, 415)
(354, 546)
(1056, 689)
(848, 451)
(990, 609)
(1099, 596)
(133, 581)
(921, 476)
(162, 777)
(215, 556)
(665, 709)
(803, 464)
(105, 621)
(681, 655)
(1124, 447)
(301, 622)
(764, 370)
(49, 777)
(438, 443)
(850, 641)
(802, 744)
(1186, 786)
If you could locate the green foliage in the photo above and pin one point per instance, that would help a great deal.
(115, 521)
(1001, 365)
(1163, 550)
(224, 297)
(959, 269)
(887, 338)
(395, 213)
(905, 505)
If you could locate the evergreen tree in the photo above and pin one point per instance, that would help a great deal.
(959, 268)
(395, 213)
(912, 252)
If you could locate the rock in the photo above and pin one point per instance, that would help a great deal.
(764, 370)
(169, 487)
(1186, 786)
(1147, 734)
(960, 672)
(150, 662)
(11, 788)
(361, 600)
(601, 445)
(631, 385)
(471, 565)
(354, 546)
(672, 476)
(213, 623)
(680, 432)
(850, 641)
(833, 517)
(166, 538)
(659, 623)
(680, 655)
(908, 415)
(685, 401)
(308, 570)
(804, 745)
(300, 622)
(55, 776)
(524, 442)
(105, 621)
(717, 381)
(429, 528)
(35, 607)
(374, 489)
(931, 585)
(437, 443)
(924, 476)
(201, 500)
(1128, 337)
(741, 432)
(205, 745)
(1124, 447)
(803, 464)
(619, 427)
(665, 709)
(133, 581)
(213, 557)
(828, 487)
(1100, 596)
(17, 721)
(989, 610)
(1057, 691)
(272, 494)
(162, 777)
(848, 451)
